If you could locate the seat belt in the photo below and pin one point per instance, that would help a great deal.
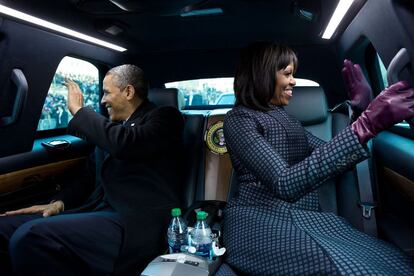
(366, 198)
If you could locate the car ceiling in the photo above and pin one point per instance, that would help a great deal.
(151, 26)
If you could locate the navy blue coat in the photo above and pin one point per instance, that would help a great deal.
(141, 176)
(273, 226)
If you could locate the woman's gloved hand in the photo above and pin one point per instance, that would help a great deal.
(359, 90)
(393, 105)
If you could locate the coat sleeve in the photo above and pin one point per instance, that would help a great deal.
(244, 139)
(161, 128)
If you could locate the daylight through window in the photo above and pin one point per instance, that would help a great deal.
(55, 113)
(217, 91)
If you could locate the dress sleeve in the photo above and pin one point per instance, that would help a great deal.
(314, 142)
(244, 139)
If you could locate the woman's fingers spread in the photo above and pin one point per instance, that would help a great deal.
(357, 72)
(347, 77)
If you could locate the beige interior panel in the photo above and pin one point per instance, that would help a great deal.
(15, 180)
(399, 183)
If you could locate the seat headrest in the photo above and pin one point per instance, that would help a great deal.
(164, 96)
(308, 105)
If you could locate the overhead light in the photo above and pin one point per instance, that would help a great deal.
(37, 21)
(202, 12)
(338, 15)
(114, 30)
(306, 15)
(308, 10)
(110, 26)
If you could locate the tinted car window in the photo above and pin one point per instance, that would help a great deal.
(213, 92)
(55, 113)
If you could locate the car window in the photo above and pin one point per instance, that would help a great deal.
(383, 72)
(213, 92)
(202, 92)
(226, 98)
(55, 113)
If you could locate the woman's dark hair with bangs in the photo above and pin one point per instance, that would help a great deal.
(255, 80)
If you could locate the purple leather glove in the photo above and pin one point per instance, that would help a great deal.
(359, 90)
(393, 105)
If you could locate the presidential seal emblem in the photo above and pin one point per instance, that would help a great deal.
(215, 138)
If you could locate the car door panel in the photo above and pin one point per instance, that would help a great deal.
(394, 158)
(36, 176)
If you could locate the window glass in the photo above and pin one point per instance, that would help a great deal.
(55, 113)
(383, 72)
(217, 91)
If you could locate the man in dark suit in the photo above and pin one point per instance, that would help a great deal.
(121, 226)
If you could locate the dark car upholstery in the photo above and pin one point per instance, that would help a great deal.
(194, 126)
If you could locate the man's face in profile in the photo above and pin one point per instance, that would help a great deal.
(114, 99)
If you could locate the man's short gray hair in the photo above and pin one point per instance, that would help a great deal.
(129, 74)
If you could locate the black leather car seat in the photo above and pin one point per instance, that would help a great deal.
(192, 143)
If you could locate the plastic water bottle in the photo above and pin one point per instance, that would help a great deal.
(200, 236)
(177, 232)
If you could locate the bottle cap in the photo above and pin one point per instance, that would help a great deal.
(176, 212)
(201, 215)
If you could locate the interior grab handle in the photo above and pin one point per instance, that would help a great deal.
(19, 80)
(397, 64)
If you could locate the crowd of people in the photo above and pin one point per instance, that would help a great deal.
(54, 112)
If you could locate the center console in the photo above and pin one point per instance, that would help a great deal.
(180, 264)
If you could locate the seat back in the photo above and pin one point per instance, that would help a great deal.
(310, 107)
(193, 146)
(340, 195)
(164, 96)
(192, 143)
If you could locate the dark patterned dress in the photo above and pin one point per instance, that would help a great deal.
(273, 226)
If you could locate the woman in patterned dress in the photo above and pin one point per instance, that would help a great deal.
(273, 226)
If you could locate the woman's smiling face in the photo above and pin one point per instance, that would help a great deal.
(284, 85)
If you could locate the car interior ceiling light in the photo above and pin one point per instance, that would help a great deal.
(37, 21)
(338, 15)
